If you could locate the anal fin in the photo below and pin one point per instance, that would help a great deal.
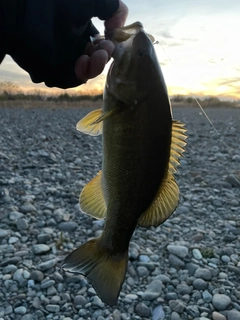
(92, 199)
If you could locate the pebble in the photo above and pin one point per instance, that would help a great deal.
(218, 316)
(47, 264)
(27, 208)
(177, 306)
(53, 308)
(158, 313)
(179, 251)
(15, 215)
(68, 226)
(36, 303)
(203, 273)
(37, 275)
(20, 310)
(40, 248)
(3, 233)
(197, 254)
(97, 302)
(47, 284)
(194, 254)
(143, 258)
(175, 261)
(175, 316)
(221, 301)
(225, 259)
(153, 290)
(80, 300)
(22, 224)
(184, 289)
(142, 310)
(207, 296)
(233, 314)
(142, 271)
(27, 317)
(13, 240)
(200, 284)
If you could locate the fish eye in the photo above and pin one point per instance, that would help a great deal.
(141, 53)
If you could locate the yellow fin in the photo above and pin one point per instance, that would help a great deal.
(92, 199)
(104, 270)
(106, 115)
(166, 200)
(178, 142)
(89, 125)
(163, 205)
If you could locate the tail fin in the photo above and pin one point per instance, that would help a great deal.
(104, 270)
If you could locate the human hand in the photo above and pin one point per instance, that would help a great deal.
(51, 39)
(98, 53)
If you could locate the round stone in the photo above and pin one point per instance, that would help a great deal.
(218, 316)
(200, 284)
(40, 248)
(179, 251)
(233, 314)
(20, 310)
(221, 301)
(142, 310)
(203, 273)
(176, 305)
(37, 275)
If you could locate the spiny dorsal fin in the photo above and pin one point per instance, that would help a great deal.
(178, 143)
(167, 198)
(92, 199)
(89, 125)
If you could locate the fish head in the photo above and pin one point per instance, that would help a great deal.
(135, 67)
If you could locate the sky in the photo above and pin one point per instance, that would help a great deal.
(198, 50)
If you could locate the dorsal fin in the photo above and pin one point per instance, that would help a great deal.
(166, 200)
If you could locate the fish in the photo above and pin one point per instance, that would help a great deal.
(142, 145)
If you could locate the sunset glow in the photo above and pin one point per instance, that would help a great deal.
(198, 47)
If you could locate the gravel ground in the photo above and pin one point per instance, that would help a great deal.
(187, 268)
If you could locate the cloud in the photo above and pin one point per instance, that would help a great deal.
(215, 60)
(228, 82)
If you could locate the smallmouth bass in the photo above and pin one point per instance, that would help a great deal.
(141, 149)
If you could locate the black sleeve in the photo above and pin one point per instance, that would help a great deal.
(46, 37)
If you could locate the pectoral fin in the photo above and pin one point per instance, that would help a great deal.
(92, 123)
(92, 199)
(89, 125)
(166, 200)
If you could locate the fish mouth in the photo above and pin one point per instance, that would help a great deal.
(122, 34)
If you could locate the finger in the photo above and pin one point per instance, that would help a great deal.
(81, 67)
(119, 18)
(89, 67)
(106, 45)
(98, 61)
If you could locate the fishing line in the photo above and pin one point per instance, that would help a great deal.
(199, 104)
